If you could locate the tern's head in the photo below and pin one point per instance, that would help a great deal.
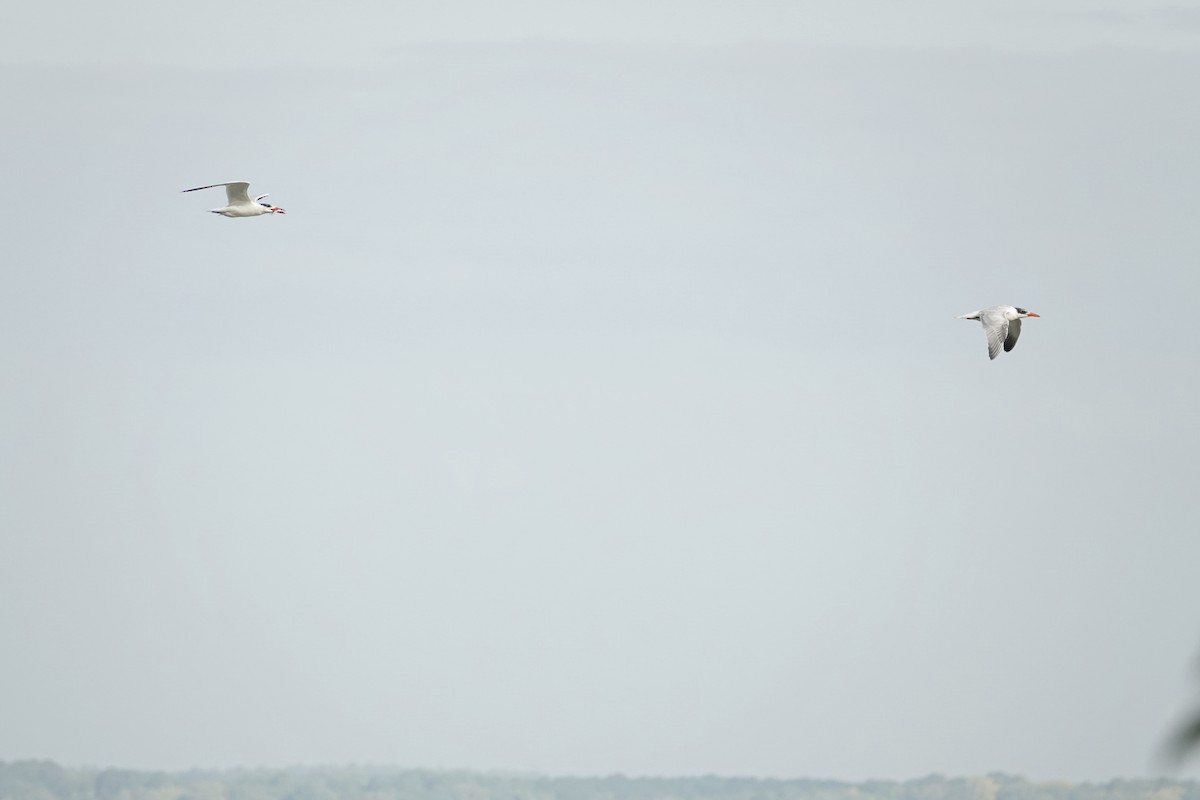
(1025, 313)
(268, 206)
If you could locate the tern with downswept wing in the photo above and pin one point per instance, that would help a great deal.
(1001, 326)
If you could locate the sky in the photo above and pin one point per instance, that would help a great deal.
(599, 403)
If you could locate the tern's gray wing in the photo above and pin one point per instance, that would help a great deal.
(995, 327)
(235, 191)
(1014, 330)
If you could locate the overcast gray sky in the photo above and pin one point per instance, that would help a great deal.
(599, 406)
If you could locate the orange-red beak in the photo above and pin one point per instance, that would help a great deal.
(1032, 314)
(278, 210)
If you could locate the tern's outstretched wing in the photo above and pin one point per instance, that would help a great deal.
(235, 191)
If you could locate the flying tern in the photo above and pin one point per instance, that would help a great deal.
(240, 204)
(1001, 326)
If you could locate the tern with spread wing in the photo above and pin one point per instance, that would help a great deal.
(240, 204)
(1001, 326)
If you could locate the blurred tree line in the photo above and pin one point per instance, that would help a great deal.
(45, 780)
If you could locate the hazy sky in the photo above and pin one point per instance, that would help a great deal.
(598, 405)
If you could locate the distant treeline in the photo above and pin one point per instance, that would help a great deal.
(45, 780)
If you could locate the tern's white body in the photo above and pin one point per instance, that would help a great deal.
(240, 204)
(1001, 326)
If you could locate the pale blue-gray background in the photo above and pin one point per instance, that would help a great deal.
(599, 404)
